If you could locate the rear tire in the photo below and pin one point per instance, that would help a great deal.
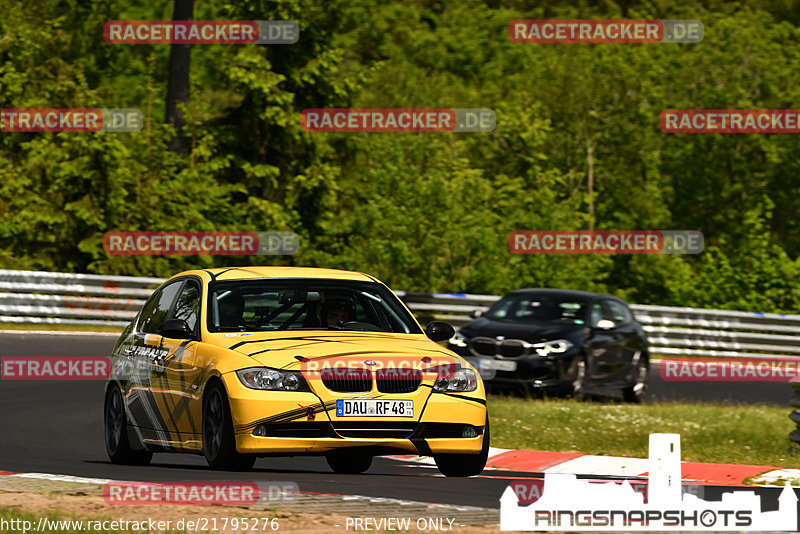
(115, 423)
(348, 463)
(465, 465)
(219, 443)
(636, 392)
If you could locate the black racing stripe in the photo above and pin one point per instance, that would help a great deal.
(289, 415)
(305, 338)
(422, 446)
(473, 399)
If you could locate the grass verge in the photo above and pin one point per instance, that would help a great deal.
(716, 433)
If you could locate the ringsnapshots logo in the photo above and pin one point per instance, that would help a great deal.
(71, 120)
(605, 31)
(201, 32)
(55, 368)
(398, 120)
(200, 243)
(730, 121)
(566, 503)
(605, 242)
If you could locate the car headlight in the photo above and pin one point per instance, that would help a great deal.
(558, 346)
(265, 378)
(458, 340)
(462, 380)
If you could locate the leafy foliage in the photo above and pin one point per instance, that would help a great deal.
(428, 212)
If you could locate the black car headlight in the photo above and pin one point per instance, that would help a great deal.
(265, 378)
(558, 346)
(460, 380)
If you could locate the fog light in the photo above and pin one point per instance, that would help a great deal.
(261, 431)
(469, 432)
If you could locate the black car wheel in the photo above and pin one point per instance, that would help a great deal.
(638, 389)
(219, 443)
(115, 423)
(465, 465)
(348, 463)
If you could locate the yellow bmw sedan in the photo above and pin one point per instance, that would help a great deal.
(247, 362)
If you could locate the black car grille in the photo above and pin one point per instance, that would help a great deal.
(347, 380)
(507, 348)
(375, 430)
(398, 380)
(512, 348)
(485, 346)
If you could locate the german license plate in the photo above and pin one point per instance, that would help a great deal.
(497, 365)
(374, 408)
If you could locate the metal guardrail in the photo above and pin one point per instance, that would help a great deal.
(43, 297)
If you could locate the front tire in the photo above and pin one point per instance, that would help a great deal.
(465, 465)
(219, 443)
(115, 423)
(348, 463)
(636, 392)
(578, 386)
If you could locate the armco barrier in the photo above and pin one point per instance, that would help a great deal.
(42, 297)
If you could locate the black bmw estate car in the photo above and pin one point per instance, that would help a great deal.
(564, 342)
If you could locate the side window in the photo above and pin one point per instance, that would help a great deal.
(599, 312)
(620, 313)
(159, 307)
(188, 306)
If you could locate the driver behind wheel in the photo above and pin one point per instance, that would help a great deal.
(231, 309)
(337, 312)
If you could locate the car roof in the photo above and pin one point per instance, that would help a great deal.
(252, 273)
(585, 295)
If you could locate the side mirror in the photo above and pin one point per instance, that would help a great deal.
(605, 324)
(176, 329)
(439, 331)
(474, 314)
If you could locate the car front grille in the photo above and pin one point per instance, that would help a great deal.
(375, 429)
(398, 380)
(484, 346)
(507, 348)
(347, 380)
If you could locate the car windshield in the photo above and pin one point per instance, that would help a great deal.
(538, 308)
(312, 304)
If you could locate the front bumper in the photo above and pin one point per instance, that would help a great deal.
(289, 423)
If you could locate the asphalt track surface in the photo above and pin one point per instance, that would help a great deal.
(56, 427)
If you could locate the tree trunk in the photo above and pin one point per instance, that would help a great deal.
(178, 83)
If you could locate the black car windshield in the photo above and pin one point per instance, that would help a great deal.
(311, 304)
(533, 307)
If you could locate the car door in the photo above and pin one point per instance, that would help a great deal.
(176, 379)
(627, 337)
(601, 345)
(144, 359)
